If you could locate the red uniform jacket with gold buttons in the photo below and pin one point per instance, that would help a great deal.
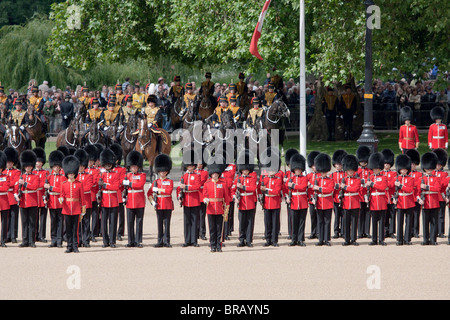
(247, 193)
(325, 193)
(218, 194)
(408, 136)
(192, 191)
(110, 189)
(55, 181)
(363, 173)
(443, 177)
(4, 187)
(86, 180)
(203, 178)
(378, 192)
(406, 198)
(122, 173)
(272, 195)
(164, 198)
(14, 175)
(310, 192)
(95, 176)
(73, 197)
(337, 178)
(417, 178)
(299, 195)
(42, 174)
(351, 193)
(438, 136)
(29, 191)
(136, 194)
(391, 178)
(432, 191)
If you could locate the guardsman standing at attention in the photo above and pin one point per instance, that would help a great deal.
(311, 179)
(337, 177)
(135, 198)
(362, 155)
(391, 212)
(437, 133)
(122, 171)
(12, 159)
(4, 203)
(443, 176)
(347, 111)
(203, 178)
(93, 156)
(287, 175)
(408, 136)
(41, 219)
(330, 106)
(72, 200)
(414, 155)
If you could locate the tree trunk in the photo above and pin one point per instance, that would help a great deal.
(317, 127)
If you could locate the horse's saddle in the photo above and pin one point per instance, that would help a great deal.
(157, 131)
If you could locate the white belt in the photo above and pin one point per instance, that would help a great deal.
(164, 196)
(430, 192)
(39, 189)
(405, 194)
(378, 194)
(87, 192)
(29, 191)
(246, 194)
(136, 191)
(298, 193)
(109, 191)
(191, 191)
(11, 189)
(324, 195)
(54, 193)
(3, 193)
(438, 137)
(351, 194)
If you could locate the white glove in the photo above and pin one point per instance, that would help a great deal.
(22, 128)
(65, 117)
(120, 127)
(126, 182)
(61, 200)
(216, 125)
(105, 129)
(16, 197)
(354, 116)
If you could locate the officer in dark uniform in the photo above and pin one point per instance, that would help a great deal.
(66, 109)
(330, 105)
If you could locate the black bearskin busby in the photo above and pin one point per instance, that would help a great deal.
(163, 163)
(437, 113)
(406, 113)
(245, 161)
(135, 158)
(82, 157)
(350, 163)
(271, 159)
(92, 152)
(376, 161)
(389, 156)
(65, 150)
(337, 157)
(27, 159)
(40, 154)
(311, 156)
(70, 165)
(107, 157)
(118, 151)
(322, 163)
(55, 158)
(363, 154)
(3, 160)
(297, 162)
(12, 155)
(442, 156)
(216, 165)
(403, 162)
(429, 161)
(414, 155)
(288, 155)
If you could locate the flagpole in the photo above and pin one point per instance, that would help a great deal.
(302, 126)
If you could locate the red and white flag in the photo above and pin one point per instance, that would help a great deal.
(257, 32)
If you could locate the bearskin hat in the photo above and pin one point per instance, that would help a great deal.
(100, 148)
(322, 163)
(376, 161)
(414, 155)
(107, 156)
(55, 158)
(363, 153)
(288, 155)
(92, 152)
(3, 160)
(311, 156)
(82, 157)
(118, 151)
(403, 162)
(349, 162)
(437, 113)
(70, 165)
(72, 150)
(429, 161)
(442, 156)
(191, 157)
(40, 154)
(28, 159)
(135, 158)
(64, 150)
(245, 161)
(216, 165)
(389, 156)
(297, 162)
(12, 155)
(163, 163)
(406, 113)
(271, 159)
(338, 155)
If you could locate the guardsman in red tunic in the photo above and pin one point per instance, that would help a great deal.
(389, 160)
(377, 199)
(337, 177)
(117, 149)
(134, 198)
(437, 133)
(4, 203)
(93, 156)
(323, 187)
(217, 197)
(72, 200)
(287, 175)
(110, 188)
(430, 186)
(202, 221)
(404, 199)
(41, 219)
(228, 174)
(161, 195)
(27, 198)
(408, 136)
(12, 157)
(54, 188)
(310, 193)
(297, 199)
(243, 194)
(350, 186)
(362, 155)
(439, 172)
(414, 155)
(86, 179)
(188, 195)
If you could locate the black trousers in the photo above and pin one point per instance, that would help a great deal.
(163, 219)
(290, 218)
(246, 225)
(201, 223)
(191, 215)
(56, 226)
(229, 225)
(298, 224)
(271, 225)
(95, 214)
(416, 226)
(390, 223)
(313, 217)
(121, 227)
(28, 217)
(350, 224)
(13, 222)
(86, 226)
(338, 214)
(109, 225)
(324, 224)
(364, 220)
(41, 223)
(429, 222)
(215, 222)
(72, 223)
(404, 224)
(331, 122)
(441, 218)
(4, 231)
(378, 223)
(135, 223)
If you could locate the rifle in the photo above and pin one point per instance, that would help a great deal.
(368, 192)
(422, 193)
(341, 192)
(262, 195)
(46, 196)
(125, 192)
(181, 194)
(19, 194)
(238, 192)
(155, 195)
(397, 190)
(290, 193)
(316, 194)
(100, 192)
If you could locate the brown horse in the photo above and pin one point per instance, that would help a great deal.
(175, 117)
(93, 135)
(205, 107)
(70, 137)
(147, 144)
(35, 127)
(244, 104)
(15, 138)
(128, 137)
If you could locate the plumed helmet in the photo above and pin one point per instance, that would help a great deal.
(27, 159)
(40, 154)
(82, 157)
(107, 156)
(70, 165)
(55, 158)
(163, 163)
(403, 162)
(376, 161)
(135, 158)
(349, 162)
(363, 153)
(322, 163)
(429, 161)
(297, 162)
(442, 156)
(338, 155)
(389, 156)
(311, 156)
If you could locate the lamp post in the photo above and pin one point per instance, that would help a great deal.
(368, 136)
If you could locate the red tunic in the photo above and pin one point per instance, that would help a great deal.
(14, 175)
(391, 178)
(55, 181)
(164, 198)
(86, 180)
(29, 191)
(299, 195)
(72, 194)
(192, 193)
(438, 136)
(110, 189)
(272, 196)
(352, 193)
(95, 176)
(417, 178)
(247, 193)
(310, 192)
(408, 136)
(136, 195)
(325, 194)
(122, 173)
(443, 176)
(363, 174)
(432, 193)
(203, 178)
(337, 178)
(378, 192)
(4, 187)
(218, 194)
(42, 174)
(406, 197)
